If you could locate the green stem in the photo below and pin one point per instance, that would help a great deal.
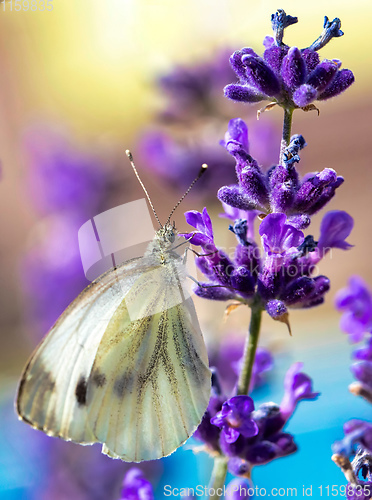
(218, 477)
(286, 136)
(250, 351)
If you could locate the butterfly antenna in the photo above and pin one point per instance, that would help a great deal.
(201, 172)
(130, 157)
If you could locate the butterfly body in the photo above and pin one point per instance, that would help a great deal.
(125, 365)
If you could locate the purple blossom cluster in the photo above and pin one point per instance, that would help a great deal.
(279, 278)
(280, 189)
(288, 76)
(249, 436)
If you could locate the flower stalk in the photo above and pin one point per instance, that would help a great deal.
(286, 136)
(249, 351)
(218, 476)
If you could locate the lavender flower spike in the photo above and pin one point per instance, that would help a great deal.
(355, 302)
(288, 76)
(297, 386)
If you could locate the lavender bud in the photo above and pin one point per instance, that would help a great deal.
(293, 69)
(236, 62)
(311, 59)
(242, 93)
(260, 75)
(322, 75)
(235, 197)
(304, 95)
(276, 308)
(208, 291)
(274, 56)
(343, 79)
(238, 466)
(254, 186)
(298, 291)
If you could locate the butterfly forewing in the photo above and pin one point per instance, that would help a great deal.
(125, 365)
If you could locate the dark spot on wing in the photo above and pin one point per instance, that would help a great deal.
(98, 378)
(124, 384)
(81, 391)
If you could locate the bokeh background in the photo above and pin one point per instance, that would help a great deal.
(78, 87)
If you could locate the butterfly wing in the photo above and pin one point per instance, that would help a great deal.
(122, 366)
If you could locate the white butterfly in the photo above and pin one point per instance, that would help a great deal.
(125, 365)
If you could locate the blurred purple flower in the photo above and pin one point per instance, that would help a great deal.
(238, 489)
(62, 177)
(51, 270)
(357, 432)
(285, 75)
(194, 90)
(355, 302)
(178, 162)
(297, 386)
(263, 362)
(136, 487)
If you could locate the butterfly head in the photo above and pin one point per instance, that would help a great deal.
(166, 235)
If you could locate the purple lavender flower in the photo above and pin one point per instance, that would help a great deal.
(297, 386)
(281, 278)
(280, 189)
(288, 76)
(356, 304)
(227, 278)
(263, 438)
(234, 418)
(279, 239)
(136, 487)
